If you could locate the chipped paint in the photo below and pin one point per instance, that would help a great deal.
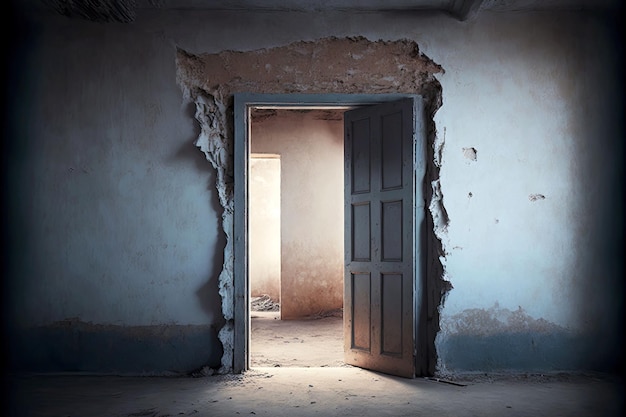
(470, 153)
(440, 215)
(535, 197)
(498, 338)
(481, 322)
(330, 65)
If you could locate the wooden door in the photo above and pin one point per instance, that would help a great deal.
(380, 193)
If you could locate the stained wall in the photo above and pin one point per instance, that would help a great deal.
(115, 230)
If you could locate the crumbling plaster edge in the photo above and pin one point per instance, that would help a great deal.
(216, 142)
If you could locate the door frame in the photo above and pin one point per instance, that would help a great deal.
(243, 103)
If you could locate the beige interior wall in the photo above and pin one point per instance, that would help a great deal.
(311, 147)
(264, 224)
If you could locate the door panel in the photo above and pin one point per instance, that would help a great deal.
(379, 318)
(361, 311)
(361, 227)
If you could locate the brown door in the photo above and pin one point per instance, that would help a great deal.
(380, 213)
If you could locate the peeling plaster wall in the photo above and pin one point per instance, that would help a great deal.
(115, 227)
(536, 229)
(329, 65)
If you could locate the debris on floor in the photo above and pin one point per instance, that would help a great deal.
(264, 303)
(338, 312)
(445, 381)
(203, 372)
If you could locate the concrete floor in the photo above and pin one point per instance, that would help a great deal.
(297, 370)
(290, 391)
(301, 343)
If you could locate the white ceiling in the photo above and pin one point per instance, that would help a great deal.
(461, 9)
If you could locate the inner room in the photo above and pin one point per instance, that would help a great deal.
(296, 237)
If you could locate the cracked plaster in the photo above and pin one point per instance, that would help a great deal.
(331, 65)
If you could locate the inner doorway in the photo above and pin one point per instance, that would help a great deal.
(296, 256)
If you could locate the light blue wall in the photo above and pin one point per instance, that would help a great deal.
(536, 221)
(115, 226)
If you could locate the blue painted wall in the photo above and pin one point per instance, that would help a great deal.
(112, 226)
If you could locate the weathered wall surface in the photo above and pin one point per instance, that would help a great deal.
(531, 177)
(115, 234)
(329, 65)
(264, 223)
(311, 149)
(115, 246)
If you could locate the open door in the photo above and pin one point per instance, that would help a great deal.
(380, 281)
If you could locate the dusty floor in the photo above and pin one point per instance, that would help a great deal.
(320, 385)
(291, 391)
(303, 343)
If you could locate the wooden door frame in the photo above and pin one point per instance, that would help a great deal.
(243, 103)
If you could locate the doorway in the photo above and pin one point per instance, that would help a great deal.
(296, 255)
(244, 104)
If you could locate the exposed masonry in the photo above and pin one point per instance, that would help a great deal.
(496, 320)
(329, 65)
